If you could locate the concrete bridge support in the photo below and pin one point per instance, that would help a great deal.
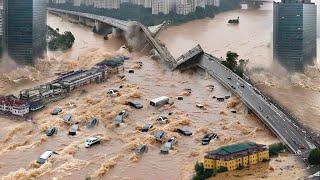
(102, 28)
(116, 32)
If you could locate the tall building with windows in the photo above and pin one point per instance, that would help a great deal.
(294, 33)
(25, 30)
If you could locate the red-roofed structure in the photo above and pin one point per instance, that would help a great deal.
(14, 105)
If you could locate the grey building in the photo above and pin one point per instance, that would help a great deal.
(294, 33)
(25, 30)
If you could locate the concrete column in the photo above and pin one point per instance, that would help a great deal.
(117, 32)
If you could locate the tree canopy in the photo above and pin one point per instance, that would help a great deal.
(314, 157)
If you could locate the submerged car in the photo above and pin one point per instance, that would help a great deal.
(51, 131)
(67, 118)
(168, 145)
(120, 117)
(184, 131)
(135, 104)
(141, 149)
(92, 141)
(159, 135)
(56, 111)
(208, 137)
(146, 127)
(73, 130)
(162, 120)
(45, 156)
(92, 122)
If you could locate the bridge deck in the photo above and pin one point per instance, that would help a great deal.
(121, 24)
(285, 128)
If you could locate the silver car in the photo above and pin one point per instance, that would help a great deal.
(168, 145)
(120, 117)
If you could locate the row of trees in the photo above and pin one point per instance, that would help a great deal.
(59, 41)
(129, 11)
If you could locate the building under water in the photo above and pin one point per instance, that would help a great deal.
(25, 30)
(294, 33)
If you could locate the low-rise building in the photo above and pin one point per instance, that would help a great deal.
(14, 105)
(236, 155)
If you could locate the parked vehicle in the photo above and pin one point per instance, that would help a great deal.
(160, 101)
(73, 129)
(45, 156)
(146, 127)
(159, 135)
(120, 117)
(68, 118)
(113, 92)
(141, 149)
(208, 137)
(168, 145)
(51, 131)
(130, 71)
(135, 104)
(162, 120)
(227, 97)
(92, 122)
(184, 131)
(229, 78)
(242, 85)
(92, 141)
(56, 111)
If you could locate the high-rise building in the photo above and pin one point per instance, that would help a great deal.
(294, 33)
(25, 29)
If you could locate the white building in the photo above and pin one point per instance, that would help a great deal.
(183, 9)
(14, 105)
(107, 4)
(162, 6)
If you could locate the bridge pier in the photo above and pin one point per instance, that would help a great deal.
(116, 32)
(102, 28)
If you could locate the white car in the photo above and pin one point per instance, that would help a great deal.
(92, 141)
(45, 156)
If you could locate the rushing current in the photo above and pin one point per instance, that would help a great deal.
(24, 141)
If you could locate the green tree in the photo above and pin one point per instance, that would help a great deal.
(314, 157)
(275, 148)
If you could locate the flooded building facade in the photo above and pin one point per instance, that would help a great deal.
(25, 30)
(236, 155)
(294, 33)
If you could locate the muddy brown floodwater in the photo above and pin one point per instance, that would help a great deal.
(22, 142)
(252, 39)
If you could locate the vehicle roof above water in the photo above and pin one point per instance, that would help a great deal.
(46, 154)
(162, 98)
(92, 138)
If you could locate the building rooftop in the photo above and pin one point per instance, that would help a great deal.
(12, 101)
(236, 149)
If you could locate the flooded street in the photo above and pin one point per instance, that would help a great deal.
(114, 158)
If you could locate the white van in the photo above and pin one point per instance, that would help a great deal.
(160, 101)
(45, 156)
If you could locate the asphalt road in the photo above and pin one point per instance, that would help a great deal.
(295, 137)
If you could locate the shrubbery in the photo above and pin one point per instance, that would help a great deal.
(202, 173)
(314, 157)
(231, 62)
(59, 41)
(275, 149)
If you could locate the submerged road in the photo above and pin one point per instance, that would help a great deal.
(295, 137)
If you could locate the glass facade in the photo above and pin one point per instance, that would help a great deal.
(25, 30)
(294, 34)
